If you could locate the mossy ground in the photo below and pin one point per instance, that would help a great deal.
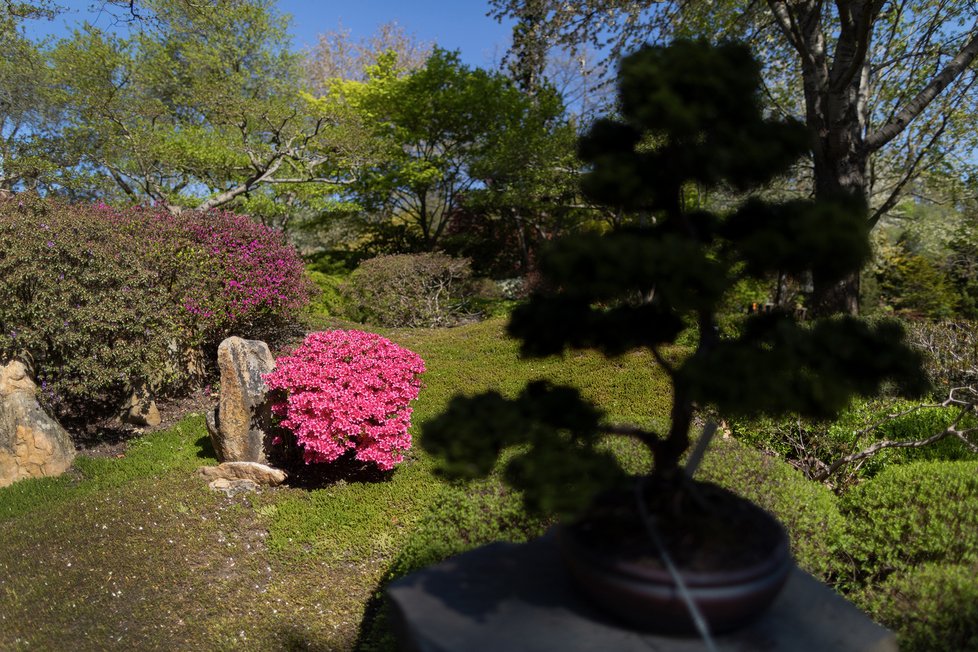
(137, 553)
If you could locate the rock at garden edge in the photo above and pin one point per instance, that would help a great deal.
(32, 444)
(239, 425)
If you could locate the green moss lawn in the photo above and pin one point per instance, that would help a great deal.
(137, 552)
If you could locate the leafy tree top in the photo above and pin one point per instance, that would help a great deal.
(445, 132)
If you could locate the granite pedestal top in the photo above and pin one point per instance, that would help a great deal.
(519, 598)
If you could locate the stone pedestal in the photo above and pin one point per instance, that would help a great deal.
(519, 598)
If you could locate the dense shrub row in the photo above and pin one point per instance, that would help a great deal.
(950, 351)
(903, 545)
(228, 273)
(931, 607)
(937, 281)
(913, 549)
(911, 514)
(103, 299)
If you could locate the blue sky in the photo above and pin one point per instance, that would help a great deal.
(455, 25)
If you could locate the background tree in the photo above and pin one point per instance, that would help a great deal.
(529, 190)
(337, 56)
(450, 132)
(200, 107)
(885, 86)
(578, 74)
(30, 157)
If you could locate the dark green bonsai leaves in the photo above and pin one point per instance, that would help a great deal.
(691, 113)
(558, 466)
(829, 238)
(690, 117)
(778, 366)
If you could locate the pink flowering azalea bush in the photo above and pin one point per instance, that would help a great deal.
(348, 391)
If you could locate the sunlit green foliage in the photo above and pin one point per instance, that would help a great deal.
(171, 116)
(447, 132)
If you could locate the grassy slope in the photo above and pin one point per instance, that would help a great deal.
(137, 553)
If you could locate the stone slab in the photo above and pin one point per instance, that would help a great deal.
(519, 598)
(260, 474)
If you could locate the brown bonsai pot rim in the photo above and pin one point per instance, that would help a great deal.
(646, 597)
(779, 555)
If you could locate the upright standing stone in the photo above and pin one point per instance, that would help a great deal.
(239, 424)
(32, 444)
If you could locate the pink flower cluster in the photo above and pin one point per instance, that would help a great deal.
(260, 273)
(348, 390)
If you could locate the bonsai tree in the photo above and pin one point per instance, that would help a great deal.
(690, 117)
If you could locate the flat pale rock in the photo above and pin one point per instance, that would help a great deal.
(233, 487)
(261, 474)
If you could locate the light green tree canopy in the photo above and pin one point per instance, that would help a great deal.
(449, 132)
(201, 106)
(29, 154)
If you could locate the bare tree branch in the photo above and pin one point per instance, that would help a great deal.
(912, 109)
(966, 406)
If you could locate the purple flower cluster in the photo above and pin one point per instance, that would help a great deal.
(226, 273)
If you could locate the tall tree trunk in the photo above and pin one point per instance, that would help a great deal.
(836, 90)
(840, 174)
(837, 86)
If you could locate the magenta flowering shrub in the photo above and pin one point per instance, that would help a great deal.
(348, 391)
(226, 273)
(263, 279)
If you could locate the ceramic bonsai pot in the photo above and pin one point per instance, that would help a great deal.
(639, 591)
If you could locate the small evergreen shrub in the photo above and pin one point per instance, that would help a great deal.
(932, 607)
(76, 297)
(410, 290)
(912, 283)
(348, 391)
(911, 514)
(329, 270)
